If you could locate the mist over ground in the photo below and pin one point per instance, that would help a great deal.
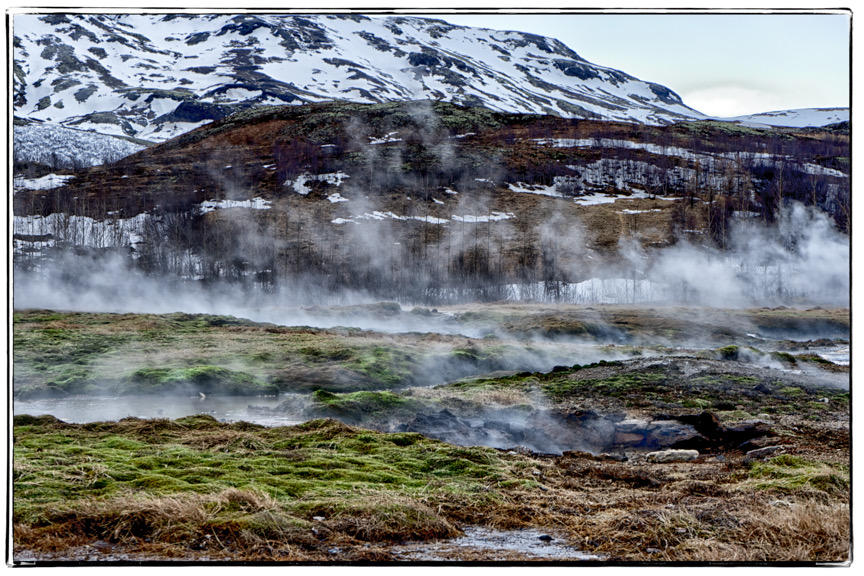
(800, 260)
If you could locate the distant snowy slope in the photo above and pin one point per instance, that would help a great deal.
(59, 147)
(800, 118)
(155, 76)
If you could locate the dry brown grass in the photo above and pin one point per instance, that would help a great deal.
(775, 532)
(185, 522)
(378, 517)
(484, 397)
(622, 511)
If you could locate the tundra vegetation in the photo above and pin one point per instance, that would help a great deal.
(365, 473)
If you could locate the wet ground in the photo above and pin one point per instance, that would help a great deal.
(477, 544)
(484, 544)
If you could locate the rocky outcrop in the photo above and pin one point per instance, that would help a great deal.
(560, 431)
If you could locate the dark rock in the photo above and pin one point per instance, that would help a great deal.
(665, 94)
(740, 434)
(713, 435)
(189, 111)
(612, 457)
(655, 434)
(760, 454)
(421, 59)
(578, 454)
(628, 439)
(706, 423)
(576, 69)
(763, 388)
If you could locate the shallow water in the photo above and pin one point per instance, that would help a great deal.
(483, 544)
(838, 355)
(83, 409)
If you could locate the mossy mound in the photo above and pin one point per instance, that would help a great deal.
(198, 379)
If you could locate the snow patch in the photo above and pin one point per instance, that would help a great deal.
(493, 217)
(299, 184)
(46, 231)
(798, 118)
(254, 204)
(594, 199)
(536, 189)
(385, 140)
(46, 182)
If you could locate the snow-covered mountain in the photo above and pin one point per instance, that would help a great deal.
(60, 147)
(799, 118)
(154, 76)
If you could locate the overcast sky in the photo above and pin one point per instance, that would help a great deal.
(720, 64)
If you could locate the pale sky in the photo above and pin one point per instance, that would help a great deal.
(720, 64)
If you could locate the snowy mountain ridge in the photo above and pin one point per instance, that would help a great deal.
(154, 76)
(798, 118)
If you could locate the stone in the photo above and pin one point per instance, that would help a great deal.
(666, 456)
(665, 433)
(628, 439)
(613, 457)
(631, 425)
(760, 453)
(578, 454)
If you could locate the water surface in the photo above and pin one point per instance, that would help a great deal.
(84, 409)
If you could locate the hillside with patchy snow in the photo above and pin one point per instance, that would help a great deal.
(156, 76)
(799, 118)
(430, 201)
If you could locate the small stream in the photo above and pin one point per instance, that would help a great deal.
(494, 545)
(84, 409)
(837, 355)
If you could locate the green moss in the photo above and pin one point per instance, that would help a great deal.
(59, 464)
(787, 473)
(728, 352)
(363, 406)
(389, 366)
(785, 357)
(814, 358)
(618, 385)
(699, 403)
(792, 392)
(733, 415)
(723, 379)
(121, 443)
(205, 379)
